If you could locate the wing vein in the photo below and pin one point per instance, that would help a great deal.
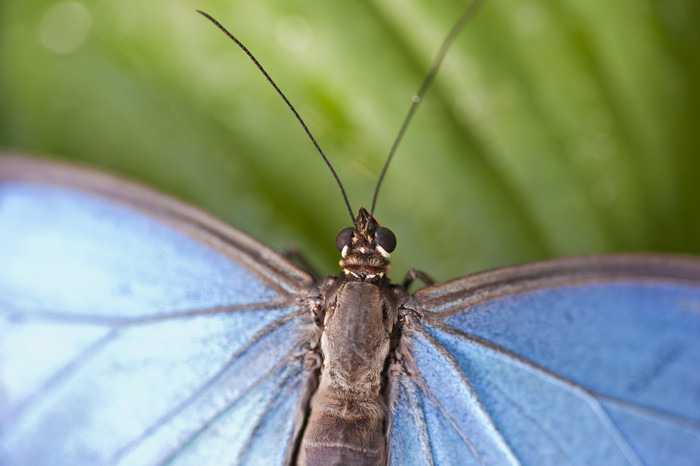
(135, 321)
(269, 329)
(455, 367)
(63, 373)
(572, 385)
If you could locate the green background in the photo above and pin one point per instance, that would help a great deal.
(554, 127)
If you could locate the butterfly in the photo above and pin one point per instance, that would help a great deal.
(138, 330)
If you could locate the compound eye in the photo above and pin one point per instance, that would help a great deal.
(344, 238)
(385, 238)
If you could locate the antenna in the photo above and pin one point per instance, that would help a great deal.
(454, 32)
(289, 104)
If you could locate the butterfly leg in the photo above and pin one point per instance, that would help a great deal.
(414, 274)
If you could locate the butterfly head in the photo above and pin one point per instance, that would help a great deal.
(365, 247)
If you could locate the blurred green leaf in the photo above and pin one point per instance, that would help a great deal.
(554, 128)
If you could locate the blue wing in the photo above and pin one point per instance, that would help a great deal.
(137, 330)
(580, 361)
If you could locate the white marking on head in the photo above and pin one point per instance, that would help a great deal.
(382, 252)
(344, 252)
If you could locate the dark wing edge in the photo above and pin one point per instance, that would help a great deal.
(475, 386)
(483, 286)
(265, 263)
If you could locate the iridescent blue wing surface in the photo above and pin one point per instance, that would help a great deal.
(137, 330)
(579, 361)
